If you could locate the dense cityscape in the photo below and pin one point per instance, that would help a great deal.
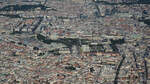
(74, 41)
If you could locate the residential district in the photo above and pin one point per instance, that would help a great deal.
(74, 41)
